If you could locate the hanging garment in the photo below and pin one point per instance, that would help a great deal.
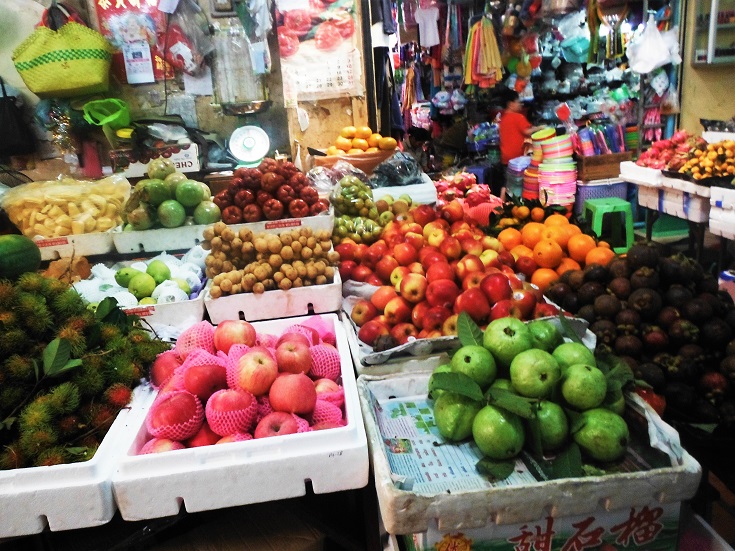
(483, 64)
(428, 21)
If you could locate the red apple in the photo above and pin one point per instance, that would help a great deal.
(544, 309)
(374, 253)
(361, 250)
(435, 236)
(163, 367)
(325, 386)
(489, 257)
(416, 268)
(293, 336)
(363, 311)
(361, 272)
(418, 313)
(433, 257)
(255, 371)
(405, 254)
(491, 243)
(397, 275)
(276, 423)
(385, 266)
(411, 227)
(403, 331)
(397, 310)
(204, 437)
(423, 214)
(449, 327)
(515, 281)
(439, 270)
(382, 295)
(475, 303)
(373, 329)
(413, 287)
(467, 264)
(159, 445)
(426, 249)
(347, 250)
(293, 393)
(496, 287)
(506, 258)
(175, 415)
(451, 248)
(452, 211)
(460, 227)
(525, 301)
(470, 245)
(205, 377)
(231, 332)
(503, 309)
(415, 239)
(427, 334)
(435, 318)
(374, 280)
(442, 292)
(346, 267)
(295, 357)
(230, 411)
(526, 265)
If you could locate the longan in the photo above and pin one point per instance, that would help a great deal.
(326, 245)
(226, 285)
(208, 233)
(306, 253)
(206, 245)
(278, 277)
(285, 284)
(320, 280)
(286, 238)
(215, 291)
(247, 248)
(287, 253)
(298, 282)
(320, 266)
(228, 234)
(246, 234)
(260, 273)
(227, 266)
(333, 257)
(275, 261)
(317, 250)
(236, 244)
(216, 243)
(296, 247)
(303, 240)
(274, 245)
(216, 280)
(311, 271)
(258, 288)
(261, 244)
(329, 272)
(311, 241)
(219, 227)
(323, 235)
(236, 289)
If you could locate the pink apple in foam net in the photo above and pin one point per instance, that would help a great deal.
(325, 386)
(292, 393)
(276, 423)
(204, 437)
(203, 379)
(294, 357)
(158, 445)
(292, 336)
(175, 408)
(163, 367)
(231, 332)
(255, 371)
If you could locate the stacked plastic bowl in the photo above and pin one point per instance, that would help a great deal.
(557, 173)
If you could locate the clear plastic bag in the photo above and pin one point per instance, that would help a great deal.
(648, 51)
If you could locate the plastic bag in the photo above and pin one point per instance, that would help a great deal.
(58, 208)
(187, 40)
(670, 103)
(648, 51)
(399, 170)
(671, 39)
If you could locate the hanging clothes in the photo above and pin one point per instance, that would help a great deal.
(483, 64)
(428, 21)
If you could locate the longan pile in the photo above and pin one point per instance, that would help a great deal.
(246, 262)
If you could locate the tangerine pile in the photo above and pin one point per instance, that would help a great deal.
(356, 140)
(556, 246)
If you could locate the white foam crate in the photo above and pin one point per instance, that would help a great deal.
(83, 244)
(175, 314)
(685, 185)
(406, 512)
(722, 197)
(421, 194)
(631, 172)
(186, 237)
(721, 228)
(675, 202)
(297, 301)
(253, 471)
(71, 496)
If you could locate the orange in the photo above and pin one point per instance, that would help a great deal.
(521, 250)
(557, 234)
(348, 132)
(567, 264)
(579, 245)
(543, 277)
(572, 229)
(599, 255)
(334, 150)
(603, 244)
(387, 143)
(531, 233)
(343, 143)
(372, 150)
(556, 220)
(537, 214)
(359, 143)
(510, 237)
(547, 253)
(363, 132)
(523, 212)
(355, 151)
(374, 139)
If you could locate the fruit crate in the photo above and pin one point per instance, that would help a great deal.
(682, 184)
(253, 471)
(297, 301)
(421, 194)
(675, 203)
(71, 496)
(596, 167)
(83, 244)
(631, 172)
(186, 237)
(722, 212)
(444, 491)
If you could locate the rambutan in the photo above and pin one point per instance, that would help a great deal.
(120, 369)
(7, 318)
(138, 336)
(102, 416)
(36, 415)
(11, 396)
(11, 457)
(33, 442)
(64, 398)
(69, 425)
(52, 456)
(118, 395)
(53, 287)
(146, 352)
(20, 368)
(109, 332)
(68, 303)
(31, 282)
(12, 341)
(8, 294)
(76, 339)
(89, 378)
(34, 313)
(119, 345)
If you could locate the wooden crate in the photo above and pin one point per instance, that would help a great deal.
(596, 167)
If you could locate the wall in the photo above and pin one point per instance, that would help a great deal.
(707, 92)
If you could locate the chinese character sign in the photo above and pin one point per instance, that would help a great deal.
(317, 44)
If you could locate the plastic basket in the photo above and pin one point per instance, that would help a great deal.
(598, 189)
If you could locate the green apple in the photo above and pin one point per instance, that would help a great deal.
(477, 363)
(534, 373)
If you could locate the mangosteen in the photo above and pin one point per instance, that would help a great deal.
(667, 316)
(692, 352)
(628, 345)
(557, 291)
(628, 322)
(620, 287)
(704, 411)
(727, 415)
(571, 303)
(676, 295)
(618, 267)
(719, 308)
(677, 268)
(646, 302)
(654, 339)
(575, 279)
(677, 368)
(589, 291)
(730, 348)
(595, 272)
(644, 277)
(606, 306)
(696, 310)
(715, 334)
(384, 342)
(652, 374)
(679, 396)
(708, 284)
(714, 386)
(587, 312)
(605, 331)
(727, 368)
(730, 318)
(643, 254)
(683, 331)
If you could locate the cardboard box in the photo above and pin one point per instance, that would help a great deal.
(421, 484)
(134, 165)
(253, 471)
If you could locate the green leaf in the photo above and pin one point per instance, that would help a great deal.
(567, 330)
(567, 463)
(7, 423)
(55, 356)
(523, 407)
(77, 450)
(468, 331)
(620, 374)
(106, 305)
(612, 396)
(458, 383)
(71, 364)
(36, 369)
(534, 429)
(496, 470)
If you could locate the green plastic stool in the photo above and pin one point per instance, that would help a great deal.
(598, 208)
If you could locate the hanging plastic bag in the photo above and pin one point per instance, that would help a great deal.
(648, 51)
(671, 38)
(670, 104)
(187, 40)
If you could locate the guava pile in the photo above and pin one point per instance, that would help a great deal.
(520, 385)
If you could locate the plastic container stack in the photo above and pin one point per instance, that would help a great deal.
(557, 174)
(514, 175)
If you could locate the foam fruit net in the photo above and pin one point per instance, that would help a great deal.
(325, 329)
(298, 328)
(149, 446)
(176, 431)
(336, 398)
(326, 362)
(325, 412)
(199, 335)
(264, 407)
(229, 422)
(199, 358)
(303, 423)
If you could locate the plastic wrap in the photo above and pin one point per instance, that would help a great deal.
(66, 207)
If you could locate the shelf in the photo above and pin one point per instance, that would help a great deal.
(719, 27)
(722, 60)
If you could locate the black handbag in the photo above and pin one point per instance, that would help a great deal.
(16, 137)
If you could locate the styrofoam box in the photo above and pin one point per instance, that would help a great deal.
(685, 185)
(297, 301)
(421, 194)
(71, 496)
(406, 512)
(253, 471)
(711, 136)
(674, 202)
(176, 314)
(186, 237)
(631, 172)
(722, 197)
(83, 244)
